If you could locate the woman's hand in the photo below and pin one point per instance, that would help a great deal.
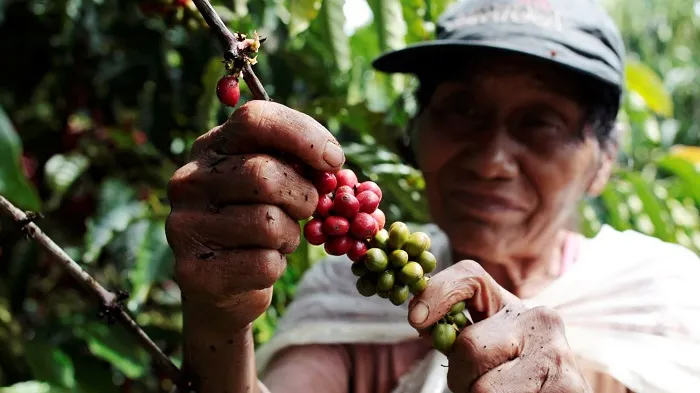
(236, 207)
(509, 348)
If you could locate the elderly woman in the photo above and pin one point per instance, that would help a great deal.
(517, 110)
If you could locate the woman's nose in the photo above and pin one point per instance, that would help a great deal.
(493, 157)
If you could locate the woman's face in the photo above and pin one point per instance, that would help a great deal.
(505, 159)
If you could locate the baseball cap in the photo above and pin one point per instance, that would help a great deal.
(578, 34)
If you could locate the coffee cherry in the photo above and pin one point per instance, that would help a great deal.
(376, 260)
(366, 285)
(344, 190)
(379, 216)
(410, 273)
(386, 280)
(336, 226)
(323, 208)
(313, 232)
(338, 245)
(357, 250)
(460, 320)
(398, 295)
(380, 239)
(419, 286)
(416, 244)
(368, 201)
(369, 186)
(457, 308)
(346, 177)
(325, 182)
(346, 205)
(363, 226)
(427, 261)
(444, 337)
(383, 294)
(398, 258)
(228, 91)
(398, 235)
(359, 269)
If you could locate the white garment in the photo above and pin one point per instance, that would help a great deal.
(630, 304)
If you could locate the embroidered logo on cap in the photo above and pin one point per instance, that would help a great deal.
(533, 12)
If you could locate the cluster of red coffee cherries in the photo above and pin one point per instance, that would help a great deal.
(347, 215)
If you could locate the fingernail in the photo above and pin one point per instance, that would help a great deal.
(333, 154)
(419, 313)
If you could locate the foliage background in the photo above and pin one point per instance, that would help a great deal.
(100, 102)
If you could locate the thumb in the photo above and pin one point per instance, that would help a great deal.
(464, 281)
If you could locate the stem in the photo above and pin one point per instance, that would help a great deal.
(110, 302)
(230, 45)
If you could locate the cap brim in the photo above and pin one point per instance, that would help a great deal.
(429, 56)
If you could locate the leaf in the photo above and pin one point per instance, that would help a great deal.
(335, 40)
(652, 206)
(117, 208)
(114, 345)
(685, 171)
(61, 171)
(301, 13)
(32, 387)
(49, 364)
(153, 259)
(389, 22)
(13, 184)
(689, 153)
(641, 79)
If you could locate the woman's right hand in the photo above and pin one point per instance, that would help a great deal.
(236, 207)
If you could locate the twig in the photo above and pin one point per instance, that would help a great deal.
(230, 45)
(111, 304)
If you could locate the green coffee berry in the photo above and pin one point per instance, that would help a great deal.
(398, 294)
(427, 261)
(460, 320)
(444, 337)
(376, 260)
(411, 273)
(457, 308)
(386, 281)
(380, 239)
(367, 285)
(398, 235)
(359, 269)
(419, 286)
(416, 244)
(398, 258)
(383, 294)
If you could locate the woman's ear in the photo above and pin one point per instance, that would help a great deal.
(605, 165)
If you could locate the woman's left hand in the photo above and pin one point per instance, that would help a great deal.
(509, 348)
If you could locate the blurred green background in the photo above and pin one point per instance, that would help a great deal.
(100, 101)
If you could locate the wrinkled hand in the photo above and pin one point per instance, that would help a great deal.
(236, 206)
(509, 348)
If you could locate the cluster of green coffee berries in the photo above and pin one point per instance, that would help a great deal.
(395, 265)
(444, 332)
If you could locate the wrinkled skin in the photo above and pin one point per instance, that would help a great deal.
(502, 178)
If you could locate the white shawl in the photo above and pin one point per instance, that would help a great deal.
(631, 306)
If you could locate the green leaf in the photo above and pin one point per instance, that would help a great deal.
(389, 23)
(117, 208)
(652, 206)
(153, 258)
(301, 13)
(114, 345)
(32, 387)
(617, 212)
(686, 172)
(335, 40)
(61, 171)
(642, 80)
(13, 185)
(49, 364)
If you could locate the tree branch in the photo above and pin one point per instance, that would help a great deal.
(111, 303)
(230, 44)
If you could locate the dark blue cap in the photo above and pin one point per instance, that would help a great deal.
(578, 34)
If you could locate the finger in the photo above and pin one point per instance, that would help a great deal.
(483, 346)
(258, 179)
(265, 126)
(465, 281)
(518, 375)
(194, 235)
(224, 273)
